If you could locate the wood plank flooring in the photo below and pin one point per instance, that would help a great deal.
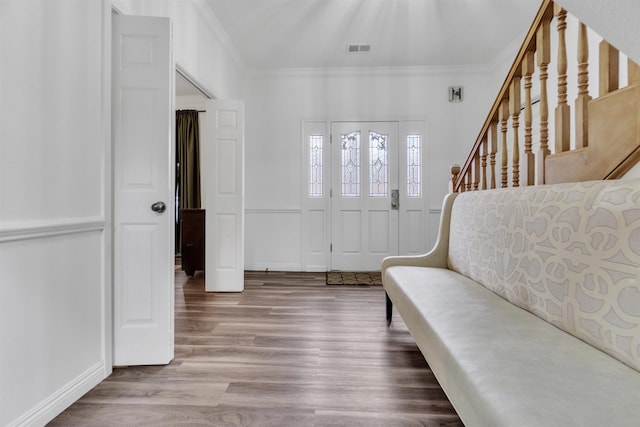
(288, 351)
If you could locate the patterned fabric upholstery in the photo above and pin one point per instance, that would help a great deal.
(568, 253)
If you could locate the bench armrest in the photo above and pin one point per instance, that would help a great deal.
(437, 257)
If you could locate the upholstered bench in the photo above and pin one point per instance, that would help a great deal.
(528, 307)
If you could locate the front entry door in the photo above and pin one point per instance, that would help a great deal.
(143, 186)
(364, 200)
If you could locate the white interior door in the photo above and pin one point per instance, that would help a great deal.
(224, 224)
(364, 182)
(143, 134)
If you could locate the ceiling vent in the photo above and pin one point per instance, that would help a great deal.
(358, 48)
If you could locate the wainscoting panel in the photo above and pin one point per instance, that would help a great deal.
(52, 314)
(273, 239)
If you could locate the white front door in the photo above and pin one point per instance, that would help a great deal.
(224, 224)
(143, 134)
(364, 201)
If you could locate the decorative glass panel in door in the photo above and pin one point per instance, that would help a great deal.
(350, 164)
(378, 165)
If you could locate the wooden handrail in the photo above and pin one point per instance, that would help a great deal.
(544, 13)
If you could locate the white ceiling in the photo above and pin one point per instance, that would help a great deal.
(402, 33)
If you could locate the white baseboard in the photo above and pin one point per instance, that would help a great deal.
(316, 268)
(273, 267)
(55, 404)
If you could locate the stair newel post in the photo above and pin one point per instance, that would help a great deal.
(543, 58)
(514, 110)
(582, 101)
(504, 117)
(608, 68)
(528, 67)
(483, 159)
(492, 155)
(563, 111)
(455, 172)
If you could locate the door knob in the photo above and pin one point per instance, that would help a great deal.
(158, 207)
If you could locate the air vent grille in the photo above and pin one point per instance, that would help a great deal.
(358, 48)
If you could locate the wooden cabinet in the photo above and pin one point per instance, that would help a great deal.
(192, 240)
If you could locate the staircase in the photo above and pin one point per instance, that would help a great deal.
(595, 138)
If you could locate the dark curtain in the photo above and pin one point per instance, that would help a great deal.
(187, 165)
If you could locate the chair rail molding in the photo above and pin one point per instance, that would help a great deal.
(16, 231)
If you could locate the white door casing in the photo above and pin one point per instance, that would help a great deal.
(224, 223)
(144, 157)
(364, 225)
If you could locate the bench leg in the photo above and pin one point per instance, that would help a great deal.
(389, 308)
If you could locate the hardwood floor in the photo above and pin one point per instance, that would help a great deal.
(288, 351)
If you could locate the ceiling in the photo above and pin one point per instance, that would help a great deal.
(270, 34)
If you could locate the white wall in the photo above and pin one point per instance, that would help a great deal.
(55, 194)
(615, 20)
(277, 103)
(54, 134)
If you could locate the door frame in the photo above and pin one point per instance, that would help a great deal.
(110, 9)
(316, 211)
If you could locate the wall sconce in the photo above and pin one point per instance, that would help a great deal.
(455, 93)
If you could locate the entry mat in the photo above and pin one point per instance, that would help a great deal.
(367, 278)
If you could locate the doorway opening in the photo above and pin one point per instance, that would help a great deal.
(366, 193)
(190, 99)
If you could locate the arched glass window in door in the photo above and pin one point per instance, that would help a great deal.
(378, 165)
(350, 164)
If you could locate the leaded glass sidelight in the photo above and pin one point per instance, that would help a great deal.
(414, 166)
(315, 166)
(350, 165)
(378, 165)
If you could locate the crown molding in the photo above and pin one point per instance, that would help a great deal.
(227, 44)
(368, 71)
